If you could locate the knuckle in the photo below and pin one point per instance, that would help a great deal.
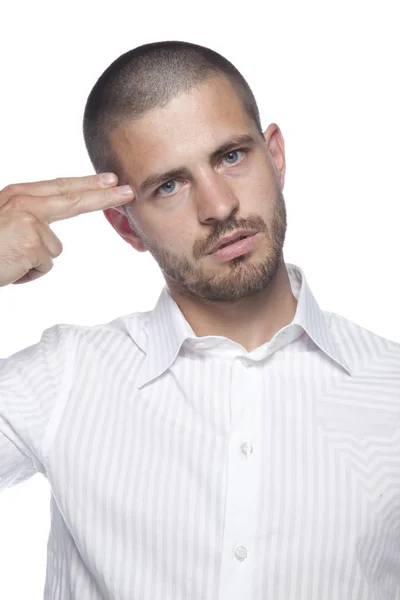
(10, 190)
(74, 197)
(31, 243)
(61, 184)
(90, 181)
(109, 194)
(18, 202)
(27, 218)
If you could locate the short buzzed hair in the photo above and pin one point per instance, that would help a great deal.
(147, 77)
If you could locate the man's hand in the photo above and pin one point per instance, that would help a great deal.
(27, 244)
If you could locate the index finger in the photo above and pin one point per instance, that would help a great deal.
(61, 185)
(68, 196)
(56, 208)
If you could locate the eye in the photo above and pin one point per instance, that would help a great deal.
(232, 156)
(168, 187)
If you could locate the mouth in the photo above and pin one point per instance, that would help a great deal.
(242, 237)
(232, 239)
(235, 248)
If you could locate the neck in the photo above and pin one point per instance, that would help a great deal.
(251, 322)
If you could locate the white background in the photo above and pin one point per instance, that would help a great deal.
(326, 73)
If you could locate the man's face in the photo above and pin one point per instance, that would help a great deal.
(178, 219)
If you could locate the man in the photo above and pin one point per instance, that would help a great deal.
(236, 442)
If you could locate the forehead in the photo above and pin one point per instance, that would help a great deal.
(190, 127)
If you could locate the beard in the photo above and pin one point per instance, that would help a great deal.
(238, 278)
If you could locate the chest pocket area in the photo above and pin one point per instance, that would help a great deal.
(358, 421)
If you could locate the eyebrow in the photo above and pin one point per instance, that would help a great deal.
(157, 179)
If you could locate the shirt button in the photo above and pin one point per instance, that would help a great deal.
(247, 448)
(241, 552)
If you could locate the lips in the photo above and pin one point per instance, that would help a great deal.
(233, 241)
(233, 237)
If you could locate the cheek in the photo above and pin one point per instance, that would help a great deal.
(177, 240)
(163, 238)
(259, 183)
(267, 183)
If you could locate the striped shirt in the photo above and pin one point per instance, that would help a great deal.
(186, 468)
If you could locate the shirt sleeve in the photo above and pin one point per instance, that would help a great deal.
(30, 382)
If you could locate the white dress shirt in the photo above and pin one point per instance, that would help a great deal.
(186, 468)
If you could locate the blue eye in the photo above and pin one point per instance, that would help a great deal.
(233, 156)
(168, 187)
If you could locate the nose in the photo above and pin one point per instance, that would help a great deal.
(215, 197)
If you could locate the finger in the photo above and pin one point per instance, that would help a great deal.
(44, 265)
(60, 185)
(50, 248)
(56, 208)
(49, 239)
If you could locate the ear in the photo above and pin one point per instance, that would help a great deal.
(123, 227)
(276, 147)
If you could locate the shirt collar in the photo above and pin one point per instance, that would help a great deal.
(168, 329)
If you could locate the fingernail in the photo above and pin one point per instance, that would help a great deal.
(124, 190)
(107, 179)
